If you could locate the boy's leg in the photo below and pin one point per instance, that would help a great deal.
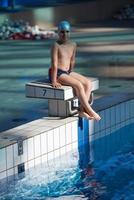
(77, 85)
(85, 82)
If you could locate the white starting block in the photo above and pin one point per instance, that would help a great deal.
(61, 101)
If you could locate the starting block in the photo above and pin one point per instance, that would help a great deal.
(62, 102)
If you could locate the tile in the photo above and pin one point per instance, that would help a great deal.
(30, 143)
(91, 127)
(24, 156)
(132, 108)
(37, 146)
(62, 135)
(127, 109)
(62, 150)
(43, 143)
(2, 159)
(9, 156)
(74, 131)
(30, 164)
(103, 119)
(96, 126)
(50, 156)
(37, 161)
(17, 159)
(68, 147)
(10, 172)
(118, 113)
(112, 115)
(75, 145)
(26, 166)
(44, 159)
(107, 118)
(68, 133)
(56, 138)
(50, 141)
(57, 153)
(123, 112)
(3, 175)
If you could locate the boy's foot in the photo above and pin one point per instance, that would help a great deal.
(85, 115)
(96, 116)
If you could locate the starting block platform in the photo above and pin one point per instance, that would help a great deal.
(62, 102)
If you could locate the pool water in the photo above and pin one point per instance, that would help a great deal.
(109, 176)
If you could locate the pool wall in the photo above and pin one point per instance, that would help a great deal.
(48, 138)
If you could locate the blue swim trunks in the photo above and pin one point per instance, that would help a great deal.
(59, 73)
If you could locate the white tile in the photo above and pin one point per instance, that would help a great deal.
(16, 170)
(57, 153)
(50, 156)
(37, 146)
(37, 161)
(62, 150)
(44, 158)
(50, 142)
(68, 147)
(17, 159)
(68, 133)
(75, 145)
(3, 175)
(10, 172)
(24, 156)
(74, 131)
(9, 156)
(26, 166)
(91, 127)
(62, 135)
(30, 164)
(2, 159)
(56, 138)
(30, 148)
(44, 143)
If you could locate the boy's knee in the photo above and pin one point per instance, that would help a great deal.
(79, 86)
(88, 84)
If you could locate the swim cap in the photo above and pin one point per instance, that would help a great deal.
(64, 25)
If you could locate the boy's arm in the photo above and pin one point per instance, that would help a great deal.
(72, 62)
(54, 64)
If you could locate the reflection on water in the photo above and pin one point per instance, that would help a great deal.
(109, 175)
(30, 61)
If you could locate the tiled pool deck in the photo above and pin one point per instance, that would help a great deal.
(47, 138)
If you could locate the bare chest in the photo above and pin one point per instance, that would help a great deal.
(65, 51)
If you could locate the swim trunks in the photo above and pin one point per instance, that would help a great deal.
(59, 73)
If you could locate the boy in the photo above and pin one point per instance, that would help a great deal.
(62, 64)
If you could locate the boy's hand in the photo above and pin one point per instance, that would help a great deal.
(56, 85)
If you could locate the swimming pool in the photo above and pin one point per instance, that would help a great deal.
(24, 61)
(102, 169)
